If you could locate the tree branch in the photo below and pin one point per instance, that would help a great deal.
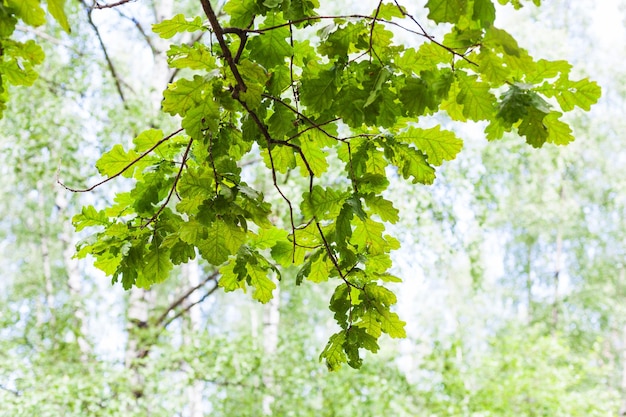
(421, 33)
(111, 5)
(139, 158)
(219, 34)
(187, 308)
(181, 298)
(169, 196)
(112, 70)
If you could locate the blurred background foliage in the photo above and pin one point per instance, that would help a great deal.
(513, 262)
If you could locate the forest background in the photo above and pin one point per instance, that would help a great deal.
(513, 261)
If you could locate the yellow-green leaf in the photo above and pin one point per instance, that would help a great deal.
(56, 9)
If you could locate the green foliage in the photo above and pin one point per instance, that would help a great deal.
(525, 370)
(352, 98)
(18, 59)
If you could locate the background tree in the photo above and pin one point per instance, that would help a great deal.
(461, 300)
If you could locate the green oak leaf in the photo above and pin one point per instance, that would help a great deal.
(446, 11)
(117, 160)
(382, 207)
(270, 48)
(478, 103)
(411, 162)
(157, 266)
(570, 94)
(57, 10)
(170, 27)
(196, 56)
(89, 217)
(241, 12)
(183, 95)
(268, 238)
(231, 280)
(318, 92)
(559, 132)
(147, 139)
(29, 11)
(322, 269)
(222, 240)
(263, 286)
(322, 203)
(388, 11)
(533, 128)
(438, 145)
(333, 354)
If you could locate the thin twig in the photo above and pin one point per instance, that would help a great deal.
(294, 89)
(169, 196)
(143, 33)
(110, 64)
(111, 5)
(139, 158)
(187, 308)
(212, 160)
(49, 38)
(373, 25)
(178, 301)
(330, 253)
(269, 140)
(423, 33)
(314, 125)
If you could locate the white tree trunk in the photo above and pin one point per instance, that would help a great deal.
(271, 321)
(140, 300)
(44, 247)
(191, 276)
(74, 279)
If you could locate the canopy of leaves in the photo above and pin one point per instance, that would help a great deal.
(351, 97)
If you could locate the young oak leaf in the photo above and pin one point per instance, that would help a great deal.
(157, 266)
(56, 9)
(321, 269)
(446, 11)
(559, 132)
(411, 162)
(438, 145)
(368, 235)
(89, 217)
(29, 11)
(322, 203)
(222, 241)
(263, 286)
(117, 160)
(315, 157)
(333, 353)
(168, 28)
(478, 103)
(196, 56)
(230, 279)
(392, 325)
(271, 48)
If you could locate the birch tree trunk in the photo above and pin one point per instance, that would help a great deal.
(271, 321)
(74, 281)
(191, 276)
(557, 270)
(44, 247)
(140, 300)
